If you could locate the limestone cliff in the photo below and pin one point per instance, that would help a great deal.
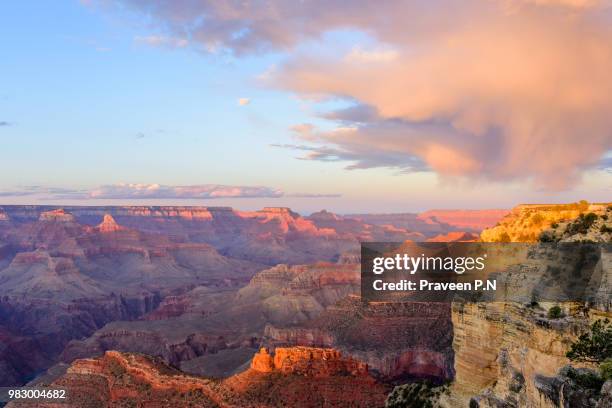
(511, 354)
(526, 222)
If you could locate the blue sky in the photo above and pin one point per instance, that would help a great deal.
(88, 101)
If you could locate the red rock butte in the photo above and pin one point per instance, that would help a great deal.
(308, 361)
(109, 224)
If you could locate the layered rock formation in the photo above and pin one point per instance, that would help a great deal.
(396, 340)
(308, 361)
(205, 321)
(526, 222)
(61, 280)
(173, 282)
(118, 380)
(509, 354)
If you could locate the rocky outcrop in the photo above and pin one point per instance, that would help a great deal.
(526, 222)
(396, 340)
(172, 350)
(568, 389)
(109, 224)
(594, 226)
(118, 380)
(58, 215)
(308, 361)
(508, 354)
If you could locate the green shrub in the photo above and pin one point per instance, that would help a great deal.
(594, 346)
(415, 395)
(605, 369)
(547, 236)
(605, 229)
(585, 379)
(582, 224)
(555, 312)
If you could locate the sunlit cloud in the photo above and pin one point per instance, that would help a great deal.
(499, 90)
(244, 101)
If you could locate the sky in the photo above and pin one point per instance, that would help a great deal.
(394, 106)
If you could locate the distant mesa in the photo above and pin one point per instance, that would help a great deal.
(466, 220)
(58, 215)
(323, 215)
(284, 211)
(109, 224)
(4, 216)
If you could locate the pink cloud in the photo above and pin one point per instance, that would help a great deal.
(496, 90)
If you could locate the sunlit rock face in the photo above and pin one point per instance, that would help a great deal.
(308, 361)
(304, 378)
(526, 222)
(511, 354)
(109, 224)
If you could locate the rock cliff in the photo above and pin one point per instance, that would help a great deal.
(119, 380)
(511, 354)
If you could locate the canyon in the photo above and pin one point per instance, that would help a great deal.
(76, 281)
(219, 307)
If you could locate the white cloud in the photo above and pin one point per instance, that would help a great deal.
(162, 41)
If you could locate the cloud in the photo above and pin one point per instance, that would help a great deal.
(252, 27)
(606, 164)
(5, 124)
(24, 191)
(162, 41)
(244, 101)
(496, 90)
(208, 191)
(156, 191)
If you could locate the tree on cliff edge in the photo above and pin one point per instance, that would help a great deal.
(594, 346)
